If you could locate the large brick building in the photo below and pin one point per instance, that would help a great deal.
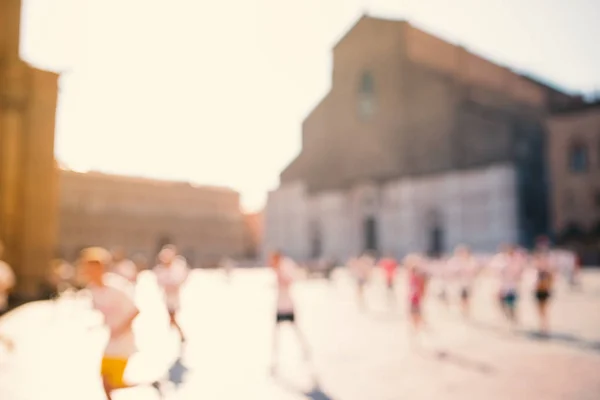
(142, 215)
(28, 197)
(574, 156)
(419, 145)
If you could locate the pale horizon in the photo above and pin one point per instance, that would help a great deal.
(215, 94)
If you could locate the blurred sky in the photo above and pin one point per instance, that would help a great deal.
(214, 92)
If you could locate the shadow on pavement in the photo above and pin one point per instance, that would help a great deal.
(459, 361)
(315, 393)
(564, 338)
(177, 373)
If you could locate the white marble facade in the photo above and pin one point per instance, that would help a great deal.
(477, 208)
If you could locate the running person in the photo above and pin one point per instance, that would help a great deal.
(389, 266)
(171, 273)
(361, 269)
(285, 312)
(417, 284)
(511, 264)
(543, 285)
(112, 296)
(466, 267)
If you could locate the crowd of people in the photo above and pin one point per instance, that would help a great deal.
(461, 269)
(110, 279)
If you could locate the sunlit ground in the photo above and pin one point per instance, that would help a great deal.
(356, 355)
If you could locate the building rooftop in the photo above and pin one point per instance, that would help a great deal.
(145, 180)
(580, 107)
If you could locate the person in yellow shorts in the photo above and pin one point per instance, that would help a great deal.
(112, 295)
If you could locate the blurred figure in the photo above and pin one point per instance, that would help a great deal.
(389, 266)
(284, 272)
(112, 296)
(444, 272)
(511, 264)
(542, 262)
(228, 265)
(123, 266)
(466, 268)
(60, 278)
(361, 268)
(417, 285)
(7, 282)
(141, 262)
(171, 273)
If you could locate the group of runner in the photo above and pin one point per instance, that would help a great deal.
(461, 269)
(110, 280)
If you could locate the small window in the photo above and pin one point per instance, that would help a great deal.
(367, 84)
(366, 96)
(578, 158)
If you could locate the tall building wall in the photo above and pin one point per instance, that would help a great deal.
(27, 168)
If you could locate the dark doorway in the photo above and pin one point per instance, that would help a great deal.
(316, 245)
(436, 241)
(370, 234)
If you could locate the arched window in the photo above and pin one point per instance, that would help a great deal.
(578, 157)
(367, 84)
(366, 95)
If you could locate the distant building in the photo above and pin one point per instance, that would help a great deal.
(574, 156)
(254, 234)
(420, 145)
(142, 215)
(28, 191)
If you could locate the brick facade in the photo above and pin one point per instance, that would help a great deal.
(143, 214)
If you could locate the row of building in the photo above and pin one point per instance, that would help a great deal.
(142, 215)
(48, 212)
(421, 145)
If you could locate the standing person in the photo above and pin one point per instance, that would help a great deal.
(362, 268)
(123, 266)
(417, 284)
(7, 282)
(389, 266)
(284, 273)
(511, 264)
(112, 296)
(544, 268)
(467, 268)
(171, 273)
(227, 264)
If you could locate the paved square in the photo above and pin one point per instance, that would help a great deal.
(355, 355)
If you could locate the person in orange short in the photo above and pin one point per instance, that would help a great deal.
(112, 296)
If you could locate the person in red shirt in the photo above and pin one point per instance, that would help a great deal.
(389, 265)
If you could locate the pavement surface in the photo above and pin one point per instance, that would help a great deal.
(356, 355)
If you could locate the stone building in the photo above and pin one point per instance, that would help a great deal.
(420, 145)
(574, 159)
(142, 215)
(28, 196)
(254, 227)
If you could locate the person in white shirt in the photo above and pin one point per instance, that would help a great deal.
(466, 268)
(7, 282)
(171, 273)
(511, 263)
(284, 272)
(123, 266)
(362, 268)
(112, 296)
